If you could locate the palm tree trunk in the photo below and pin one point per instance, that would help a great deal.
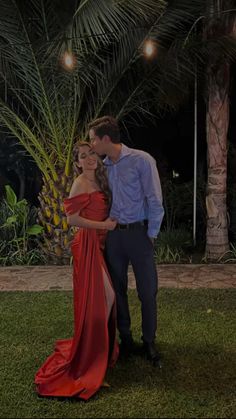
(217, 120)
(57, 233)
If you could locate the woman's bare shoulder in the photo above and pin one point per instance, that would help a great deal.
(79, 186)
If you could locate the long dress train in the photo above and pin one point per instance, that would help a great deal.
(78, 365)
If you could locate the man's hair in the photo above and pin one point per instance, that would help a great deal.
(106, 125)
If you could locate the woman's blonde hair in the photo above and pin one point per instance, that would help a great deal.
(100, 172)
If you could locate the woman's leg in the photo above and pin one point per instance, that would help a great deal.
(109, 292)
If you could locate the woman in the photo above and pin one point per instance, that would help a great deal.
(78, 365)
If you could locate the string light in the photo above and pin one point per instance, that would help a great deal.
(68, 61)
(149, 48)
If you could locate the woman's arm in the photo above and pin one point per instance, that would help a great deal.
(78, 221)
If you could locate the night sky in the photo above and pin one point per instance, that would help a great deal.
(170, 140)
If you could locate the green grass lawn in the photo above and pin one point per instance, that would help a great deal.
(196, 339)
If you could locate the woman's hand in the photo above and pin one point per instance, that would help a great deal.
(110, 224)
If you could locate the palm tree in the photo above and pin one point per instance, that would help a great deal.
(218, 82)
(48, 105)
(205, 41)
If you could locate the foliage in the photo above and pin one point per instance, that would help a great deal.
(49, 105)
(198, 356)
(18, 244)
(167, 254)
(177, 211)
(17, 166)
(230, 255)
(178, 206)
(171, 246)
(206, 48)
(178, 238)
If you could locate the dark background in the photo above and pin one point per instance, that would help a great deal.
(169, 138)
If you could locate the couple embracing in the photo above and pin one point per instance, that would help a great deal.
(117, 205)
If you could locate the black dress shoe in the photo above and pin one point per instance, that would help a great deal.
(152, 354)
(127, 347)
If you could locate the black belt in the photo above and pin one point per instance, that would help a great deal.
(132, 226)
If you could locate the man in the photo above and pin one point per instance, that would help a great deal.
(137, 207)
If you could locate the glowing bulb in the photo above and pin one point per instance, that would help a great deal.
(69, 60)
(149, 48)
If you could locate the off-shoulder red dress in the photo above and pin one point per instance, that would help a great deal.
(78, 365)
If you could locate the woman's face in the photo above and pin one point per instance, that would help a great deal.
(88, 159)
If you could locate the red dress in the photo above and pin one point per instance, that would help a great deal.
(78, 365)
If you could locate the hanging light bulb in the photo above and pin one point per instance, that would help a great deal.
(149, 48)
(68, 61)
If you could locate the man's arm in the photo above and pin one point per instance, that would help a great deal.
(152, 191)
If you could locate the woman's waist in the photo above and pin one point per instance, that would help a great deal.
(99, 216)
(92, 233)
(88, 237)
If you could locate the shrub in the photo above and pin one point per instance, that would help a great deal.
(19, 232)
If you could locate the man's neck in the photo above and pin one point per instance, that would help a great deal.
(114, 152)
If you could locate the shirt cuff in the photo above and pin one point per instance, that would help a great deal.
(152, 233)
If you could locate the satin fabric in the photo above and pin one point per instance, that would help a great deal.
(78, 365)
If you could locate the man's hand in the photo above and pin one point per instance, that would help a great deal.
(152, 240)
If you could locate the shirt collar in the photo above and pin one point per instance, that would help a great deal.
(125, 151)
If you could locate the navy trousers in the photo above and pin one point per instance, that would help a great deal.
(135, 247)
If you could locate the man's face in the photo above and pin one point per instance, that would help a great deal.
(98, 144)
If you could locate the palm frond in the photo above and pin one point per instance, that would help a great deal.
(110, 72)
(99, 21)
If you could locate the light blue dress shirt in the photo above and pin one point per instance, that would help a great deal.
(136, 189)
